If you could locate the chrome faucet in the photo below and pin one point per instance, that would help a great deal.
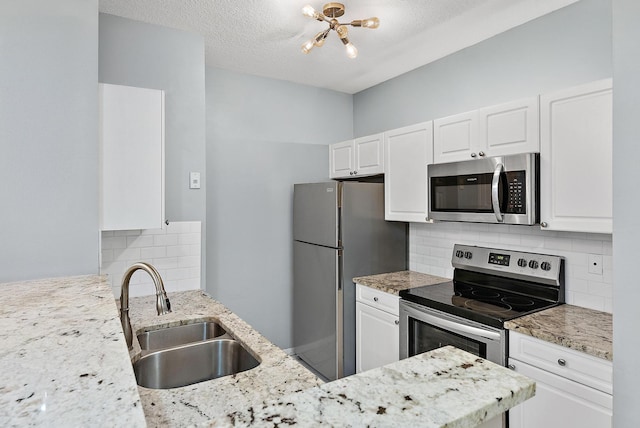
(162, 301)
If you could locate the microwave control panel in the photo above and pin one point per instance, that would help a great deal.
(516, 192)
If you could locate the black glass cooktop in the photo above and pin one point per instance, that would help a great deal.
(479, 300)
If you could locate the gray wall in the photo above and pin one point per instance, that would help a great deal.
(48, 138)
(263, 136)
(626, 176)
(150, 56)
(564, 48)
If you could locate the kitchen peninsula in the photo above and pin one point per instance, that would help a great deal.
(66, 363)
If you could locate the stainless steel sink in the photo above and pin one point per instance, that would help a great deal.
(193, 363)
(179, 335)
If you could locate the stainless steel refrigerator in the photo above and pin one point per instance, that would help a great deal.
(339, 233)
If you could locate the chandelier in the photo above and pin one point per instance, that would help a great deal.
(330, 13)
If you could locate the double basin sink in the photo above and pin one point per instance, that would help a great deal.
(187, 354)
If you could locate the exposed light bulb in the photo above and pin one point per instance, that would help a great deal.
(352, 52)
(309, 11)
(371, 23)
(308, 45)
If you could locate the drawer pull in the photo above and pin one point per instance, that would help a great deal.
(375, 299)
(397, 322)
(562, 362)
(511, 366)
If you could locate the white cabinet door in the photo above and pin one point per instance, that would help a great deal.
(369, 159)
(500, 130)
(560, 402)
(408, 150)
(341, 159)
(576, 136)
(360, 157)
(377, 337)
(510, 128)
(455, 138)
(131, 157)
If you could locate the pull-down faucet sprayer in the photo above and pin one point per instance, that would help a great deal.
(162, 301)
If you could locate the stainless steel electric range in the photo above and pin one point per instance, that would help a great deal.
(489, 286)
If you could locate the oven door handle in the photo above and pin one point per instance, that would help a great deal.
(495, 183)
(456, 327)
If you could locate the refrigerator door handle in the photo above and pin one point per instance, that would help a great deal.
(339, 316)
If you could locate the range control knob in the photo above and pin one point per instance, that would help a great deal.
(522, 263)
(545, 266)
(468, 255)
(533, 264)
(459, 254)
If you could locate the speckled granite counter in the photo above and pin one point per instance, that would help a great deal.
(442, 388)
(277, 375)
(394, 282)
(63, 356)
(582, 329)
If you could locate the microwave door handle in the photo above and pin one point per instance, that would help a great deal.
(495, 183)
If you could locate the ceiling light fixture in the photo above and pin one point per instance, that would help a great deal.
(330, 12)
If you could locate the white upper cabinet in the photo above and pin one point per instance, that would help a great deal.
(131, 157)
(455, 138)
(576, 140)
(499, 130)
(510, 128)
(408, 150)
(355, 158)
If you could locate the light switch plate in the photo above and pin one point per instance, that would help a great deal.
(194, 180)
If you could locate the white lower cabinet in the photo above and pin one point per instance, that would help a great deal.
(377, 328)
(573, 389)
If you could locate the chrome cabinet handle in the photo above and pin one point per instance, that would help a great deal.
(494, 191)
(350, 172)
(511, 366)
(397, 322)
(562, 362)
(375, 299)
(473, 155)
(481, 153)
(543, 224)
(355, 172)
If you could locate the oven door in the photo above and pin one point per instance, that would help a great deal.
(423, 329)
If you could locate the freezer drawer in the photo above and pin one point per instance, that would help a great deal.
(317, 308)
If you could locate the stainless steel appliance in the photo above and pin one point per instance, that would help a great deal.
(489, 190)
(339, 232)
(489, 287)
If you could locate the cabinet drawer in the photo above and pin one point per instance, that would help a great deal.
(578, 366)
(378, 299)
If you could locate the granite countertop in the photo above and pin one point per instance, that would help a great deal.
(574, 327)
(394, 282)
(445, 387)
(64, 359)
(277, 375)
(65, 363)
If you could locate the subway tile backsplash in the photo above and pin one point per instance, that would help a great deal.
(175, 251)
(431, 246)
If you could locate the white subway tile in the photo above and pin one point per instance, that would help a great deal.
(587, 246)
(195, 250)
(113, 242)
(166, 240)
(178, 250)
(130, 232)
(554, 243)
(149, 253)
(189, 238)
(166, 263)
(107, 256)
(178, 227)
(139, 241)
(154, 232)
(589, 301)
(128, 254)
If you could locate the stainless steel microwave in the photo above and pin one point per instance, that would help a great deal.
(490, 190)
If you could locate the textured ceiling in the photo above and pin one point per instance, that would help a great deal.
(263, 37)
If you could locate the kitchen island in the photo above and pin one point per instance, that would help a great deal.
(65, 363)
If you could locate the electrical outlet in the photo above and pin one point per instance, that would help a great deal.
(595, 264)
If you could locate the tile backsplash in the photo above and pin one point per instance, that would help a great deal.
(174, 251)
(431, 246)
